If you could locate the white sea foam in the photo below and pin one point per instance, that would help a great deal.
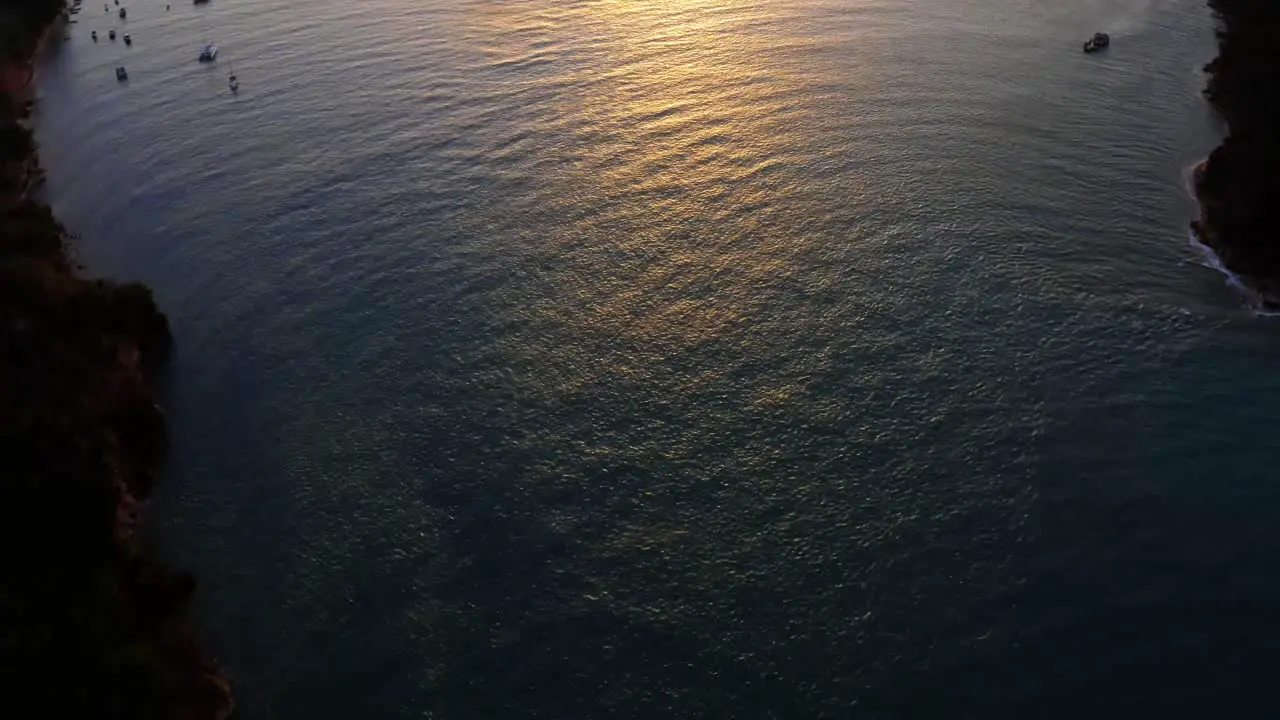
(1210, 259)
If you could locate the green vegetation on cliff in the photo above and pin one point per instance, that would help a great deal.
(1239, 184)
(90, 626)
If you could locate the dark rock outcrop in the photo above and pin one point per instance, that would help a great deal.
(1238, 185)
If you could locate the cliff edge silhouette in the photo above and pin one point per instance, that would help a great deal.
(1238, 185)
(93, 626)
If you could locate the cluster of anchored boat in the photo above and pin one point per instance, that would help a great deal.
(207, 54)
(111, 34)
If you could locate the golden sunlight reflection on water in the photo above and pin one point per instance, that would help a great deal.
(691, 128)
(745, 336)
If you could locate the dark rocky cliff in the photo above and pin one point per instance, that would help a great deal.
(92, 626)
(1239, 183)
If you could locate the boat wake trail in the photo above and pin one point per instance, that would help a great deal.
(1121, 17)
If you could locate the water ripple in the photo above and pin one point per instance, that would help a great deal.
(690, 358)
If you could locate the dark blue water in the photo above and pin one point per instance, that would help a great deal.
(773, 358)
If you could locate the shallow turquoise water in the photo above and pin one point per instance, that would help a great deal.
(772, 358)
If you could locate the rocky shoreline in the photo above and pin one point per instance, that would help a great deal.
(94, 625)
(1233, 184)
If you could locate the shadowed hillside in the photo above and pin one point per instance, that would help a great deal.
(92, 627)
(1238, 182)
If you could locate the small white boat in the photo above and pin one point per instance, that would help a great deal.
(209, 52)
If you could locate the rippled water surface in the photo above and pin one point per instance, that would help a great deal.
(689, 358)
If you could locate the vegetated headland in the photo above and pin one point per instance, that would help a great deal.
(91, 626)
(1238, 185)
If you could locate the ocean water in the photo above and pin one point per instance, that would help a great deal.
(689, 358)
